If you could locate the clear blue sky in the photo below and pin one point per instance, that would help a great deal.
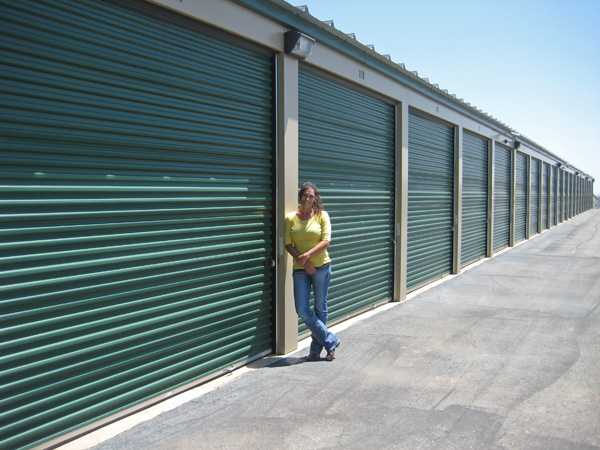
(534, 65)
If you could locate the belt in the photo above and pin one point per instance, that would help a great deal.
(318, 268)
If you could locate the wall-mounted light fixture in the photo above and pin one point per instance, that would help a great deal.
(517, 144)
(298, 44)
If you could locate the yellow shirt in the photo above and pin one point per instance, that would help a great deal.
(305, 234)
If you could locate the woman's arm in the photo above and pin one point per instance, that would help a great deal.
(304, 257)
(293, 251)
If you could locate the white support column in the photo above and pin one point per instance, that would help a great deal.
(458, 186)
(401, 201)
(286, 328)
(490, 230)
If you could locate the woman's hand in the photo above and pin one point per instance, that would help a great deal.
(303, 258)
(309, 268)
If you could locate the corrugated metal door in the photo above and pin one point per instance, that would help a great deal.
(136, 202)
(347, 149)
(579, 195)
(546, 197)
(549, 195)
(502, 194)
(474, 198)
(563, 197)
(566, 194)
(534, 205)
(567, 197)
(521, 197)
(555, 194)
(578, 184)
(430, 199)
(570, 193)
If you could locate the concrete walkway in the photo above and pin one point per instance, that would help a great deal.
(504, 356)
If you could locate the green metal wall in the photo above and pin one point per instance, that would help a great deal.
(567, 195)
(474, 198)
(578, 190)
(347, 149)
(545, 196)
(430, 199)
(581, 195)
(570, 195)
(563, 196)
(555, 197)
(522, 173)
(136, 164)
(502, 196)
(534, 204)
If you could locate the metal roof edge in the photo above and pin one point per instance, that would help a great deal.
(295, 18)
(547, 152)
(300, 19)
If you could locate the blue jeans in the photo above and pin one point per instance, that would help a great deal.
(315, 320)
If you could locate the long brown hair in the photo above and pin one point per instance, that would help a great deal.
(318, 206)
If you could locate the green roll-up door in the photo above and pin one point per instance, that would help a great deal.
(573, 196)
(545, 200)
(430, 199)
(568, 196)
(347, 149)
(548, 189)
(474, 198)
(563, 196)
(555, 195)
(576, 195)
(521, 197)
(581, 195)
(570, 193)
(502, 194)
(136, 197)
(534, 204)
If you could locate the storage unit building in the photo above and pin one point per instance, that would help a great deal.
(150, 151)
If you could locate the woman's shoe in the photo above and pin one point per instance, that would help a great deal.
(331, 353)
(313, 357)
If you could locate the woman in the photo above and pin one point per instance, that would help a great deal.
(307, 236)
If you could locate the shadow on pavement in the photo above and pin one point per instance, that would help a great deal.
(272, 362)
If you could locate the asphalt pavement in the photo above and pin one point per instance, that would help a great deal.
(504, 356)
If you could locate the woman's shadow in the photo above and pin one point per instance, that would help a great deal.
(274, 362)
